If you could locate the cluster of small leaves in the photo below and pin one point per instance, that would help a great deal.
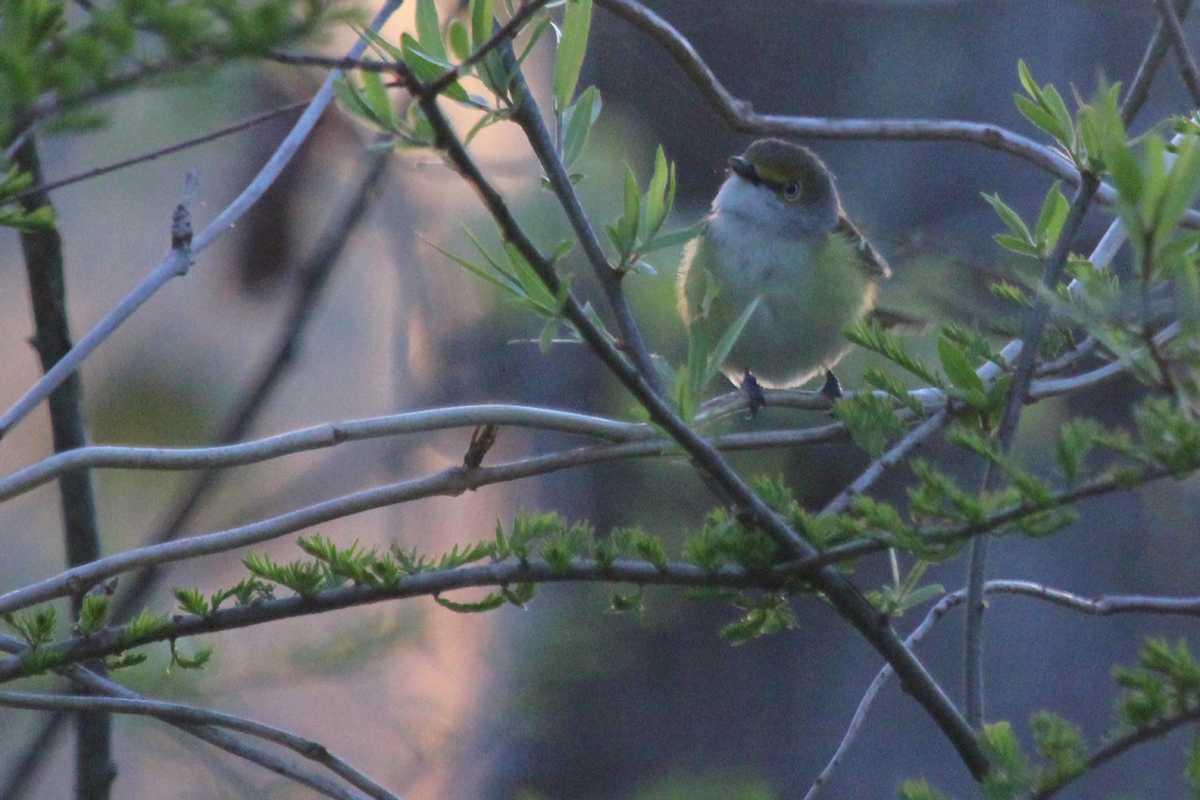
(1167, 437)
(1164, 685)
(723, 540)
(871, 335)
(1061, 758)
(44, 54)
(905, 591)
(35, 626)
(430, 56)
(13, 213)
(196, 661)
(870, 419)
(248, 591)
(1062, 749)
(762, 615)
(1083, 138)
(636, 232)
(517, 280)
(334, 567)
(93, 613)
(1039, 242)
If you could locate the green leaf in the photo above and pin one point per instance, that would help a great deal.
(1027, 80)
(354, 102)
(656, 207)
(429, 32)
(1052, 216)
(1062, 117)
(577, 122)
(429, 68)
(870, 419)
(504, 284)
(376, 96)
(957, 367)
(728, 339)
(577, 19)
(1010, 218)
(1019, 246)
(489, 603)
(460, 39)
(1039, 116)
(481, 22)
(675, 238)
(632, 213)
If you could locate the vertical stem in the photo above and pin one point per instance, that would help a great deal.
(1022, 377)
(94, 769)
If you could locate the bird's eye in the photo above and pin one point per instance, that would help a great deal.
(791, 190)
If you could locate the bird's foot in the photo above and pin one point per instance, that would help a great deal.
(832, 389)
(754, 393)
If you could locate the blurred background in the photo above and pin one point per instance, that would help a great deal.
(564, 701)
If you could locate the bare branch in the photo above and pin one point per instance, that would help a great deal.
(889, 459)
(1100, 606)
(739, 116)
(190, 715)
(316, 437)
(1175, 34)
(176, 263)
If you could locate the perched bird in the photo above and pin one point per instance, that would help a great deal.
(776, 232)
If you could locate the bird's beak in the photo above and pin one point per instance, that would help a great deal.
(744, 169)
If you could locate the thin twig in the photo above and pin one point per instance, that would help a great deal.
(888, 460)
(1187, 65)
(249, 122)
(1099, 606)
(1006, 430)
(1139, 87)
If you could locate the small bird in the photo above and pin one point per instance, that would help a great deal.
(777, 232)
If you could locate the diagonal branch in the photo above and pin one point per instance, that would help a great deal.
(178, 260)
(849, 602)
(1174, 32)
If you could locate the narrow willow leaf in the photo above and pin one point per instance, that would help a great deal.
(577, 19)
(656, 209)
(728, 339)
(1039, 116)
(430, 68)
(675, 238)
(429, 31)
(460, 39)
(1009, 217)
(1052, 216)
(482, 15)
(577, 122)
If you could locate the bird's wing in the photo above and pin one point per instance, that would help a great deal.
(871, 262)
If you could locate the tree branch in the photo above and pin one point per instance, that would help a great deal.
(190, 715)
(94, 767)
(177, 261)
(836, 588)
